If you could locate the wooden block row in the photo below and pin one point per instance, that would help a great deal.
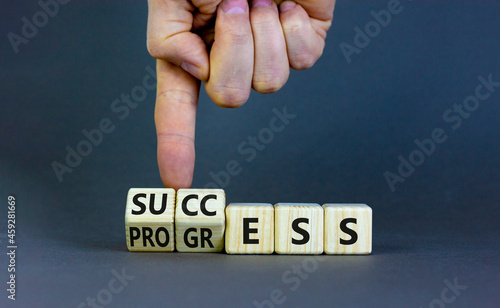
(196, 220)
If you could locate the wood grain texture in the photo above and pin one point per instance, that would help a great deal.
(250, 228)
(294, 222)
(150, 212)
(340, 218)
(200, 220)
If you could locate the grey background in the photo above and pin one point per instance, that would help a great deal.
(353, 121)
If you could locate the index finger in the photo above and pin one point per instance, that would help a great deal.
(175, 119)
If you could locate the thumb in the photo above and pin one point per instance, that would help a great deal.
(170, 37)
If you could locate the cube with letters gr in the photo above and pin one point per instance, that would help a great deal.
(298, 228)
(348, 228)
(149, 219)
(200, 220)
(250, 228)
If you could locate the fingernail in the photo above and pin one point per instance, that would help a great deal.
(287, 5)
(234, 6)
(191, 69)
(256, 3)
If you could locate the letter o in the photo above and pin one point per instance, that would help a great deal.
(80, 149)
(100, 298)
(413, 158)
(372, 25)
(157, 237)
(436, 302)
(139, 93)
(475, 103)
(36, 19)
(268, 132)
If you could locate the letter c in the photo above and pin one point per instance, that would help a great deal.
(184, 205)
(203, 205)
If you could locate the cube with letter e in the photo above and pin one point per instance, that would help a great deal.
(250, 228)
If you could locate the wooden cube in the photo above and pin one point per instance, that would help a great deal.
(250, 228)
(348, 228)
(149, 219)
(200, 220)
(298, 228)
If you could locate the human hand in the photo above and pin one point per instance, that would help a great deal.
(232, 48)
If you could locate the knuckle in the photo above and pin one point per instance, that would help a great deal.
(267, 87)
(174, 139)
(238, 36)
(295, 26)
(303, 60)
(177, 96)
(302, 63)
(264, 20)
(153, 48)
(269, 83)
(229, 97)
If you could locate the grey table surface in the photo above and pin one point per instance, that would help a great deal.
(355, 116)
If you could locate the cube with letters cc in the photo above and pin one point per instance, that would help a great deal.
(200, 221)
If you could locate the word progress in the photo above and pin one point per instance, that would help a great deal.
(198, 220)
